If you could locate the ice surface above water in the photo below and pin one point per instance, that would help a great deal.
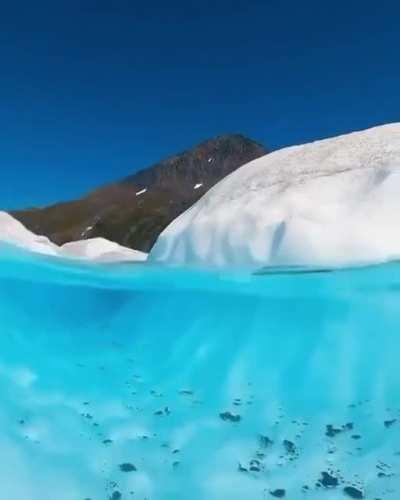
(93, 249)
(331, 202)
(100, 250)
(137, 381)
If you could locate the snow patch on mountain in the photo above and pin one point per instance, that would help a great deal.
(330, 202)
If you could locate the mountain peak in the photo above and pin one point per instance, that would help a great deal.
(214, 152)
(134, 210)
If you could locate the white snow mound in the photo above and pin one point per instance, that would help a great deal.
(13, 232)
(95, 249)
(330, 202)
(101, 250)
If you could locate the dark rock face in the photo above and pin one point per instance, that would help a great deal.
(127, 467)
(134, 211)
(328, 481)
(227, 416)
(280, 493)
(352, 492)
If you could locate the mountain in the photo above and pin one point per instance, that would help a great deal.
(135, 210)
(330, 202)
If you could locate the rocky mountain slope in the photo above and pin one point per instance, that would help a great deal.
(135, 210)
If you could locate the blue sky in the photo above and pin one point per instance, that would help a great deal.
(93, 90)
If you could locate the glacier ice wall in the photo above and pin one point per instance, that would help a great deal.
(329, 202)
(121, 382)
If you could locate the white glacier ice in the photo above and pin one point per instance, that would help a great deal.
(94, 249)
(101, 250)
(13, 232)
(330, 202)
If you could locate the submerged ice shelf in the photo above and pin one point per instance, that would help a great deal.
(168, 384)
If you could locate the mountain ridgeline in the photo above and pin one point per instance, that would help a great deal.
(135, 210)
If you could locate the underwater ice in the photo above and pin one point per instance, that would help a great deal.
(139, 382)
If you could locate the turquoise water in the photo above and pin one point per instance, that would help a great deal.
(141, 382)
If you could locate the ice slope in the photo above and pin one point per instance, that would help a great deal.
(101, 250)
(331, 202)
(13, 232)
(95, 249)
(201, 381)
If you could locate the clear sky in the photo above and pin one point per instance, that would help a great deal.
(93, 90)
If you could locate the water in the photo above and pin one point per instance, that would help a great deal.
(200, 385)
